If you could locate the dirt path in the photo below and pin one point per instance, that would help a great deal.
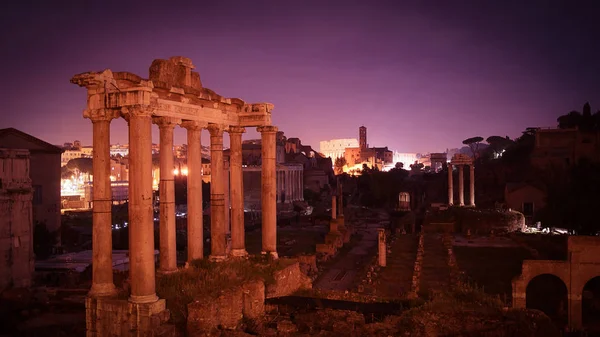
(341, 275)
(435, 273)
(396, 278)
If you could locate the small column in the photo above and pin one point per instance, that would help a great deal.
(382, 248)
(102, 274)
(269, 207)
(238, 245)
(302, 184)
(461, 185)
(333, 207)
(341, 200)
(195, 234)
(218, 244)
(450, 187)
(472, 185)
(141, 217)
(288, 186)
(166, 188)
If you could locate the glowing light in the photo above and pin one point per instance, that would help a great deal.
(176, 172)
(184, 171)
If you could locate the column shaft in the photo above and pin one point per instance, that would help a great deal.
(341, 200)
(288, 188)
(218, 245)
(195, 234)
(472, 185)
(333, 207)
(238, 244)
(141, 219)
(450, 186)
(269, 207)
(461, 185)
(166, 188)
(102, 275)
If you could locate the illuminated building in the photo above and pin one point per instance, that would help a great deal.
(335, 148)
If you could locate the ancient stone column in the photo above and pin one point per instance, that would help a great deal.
(461, 185)
(166, 188)
(450, 187)
(141, 217)
(333, 207)
(269, 206)
(341, 200)
(218, 244)
(382, 248)
(102, 274)
(195, 235)
(472, 185)
(288, 186)
(238, 245)
(302, 185)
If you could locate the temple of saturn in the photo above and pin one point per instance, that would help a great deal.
(172, 96)
(461, 160)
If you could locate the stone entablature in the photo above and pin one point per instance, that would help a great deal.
(179, 97)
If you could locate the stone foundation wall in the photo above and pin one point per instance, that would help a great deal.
(109, 317)
(247, 301)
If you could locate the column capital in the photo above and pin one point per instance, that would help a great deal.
(236, 129)
(166, 122)
(193, 125)
(137, 110)
(99, 115)
(267, 129)
(215, 130)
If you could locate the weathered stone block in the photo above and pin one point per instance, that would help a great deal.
(326, 248)
(287, 281)
(202, 318)
(254, 299)
(308, 264)
(114, 317)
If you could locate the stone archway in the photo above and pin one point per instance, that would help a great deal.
(590, 304)
(548, 293)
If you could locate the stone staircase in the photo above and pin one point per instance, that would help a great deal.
(435, 272)
(395, 279)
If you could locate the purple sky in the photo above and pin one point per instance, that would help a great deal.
(421, 76)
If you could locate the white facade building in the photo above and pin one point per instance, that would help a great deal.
(335, 148)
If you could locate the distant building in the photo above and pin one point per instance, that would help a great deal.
(362, 136)
(564, 147)
(525, 198)
(16, 226)
(406, 159)
(45, 174)
(336, 148)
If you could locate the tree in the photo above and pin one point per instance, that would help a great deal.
(340, 162)
(473, 143)
(499, 144)
(399, 166)
(84, 165)
(416, 167)
(582, 120)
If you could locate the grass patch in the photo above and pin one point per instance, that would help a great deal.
(493, 268)
(207, 280)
